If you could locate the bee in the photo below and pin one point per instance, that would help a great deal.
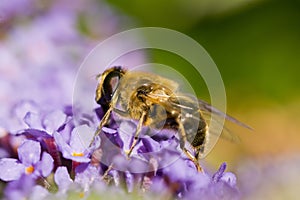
(156, 102)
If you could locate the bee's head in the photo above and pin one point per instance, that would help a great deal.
(108, 83)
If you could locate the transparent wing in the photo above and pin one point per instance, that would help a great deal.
(206, 107)
(211, 112)
(226, 134)
(208, 112)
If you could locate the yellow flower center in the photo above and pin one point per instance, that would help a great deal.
(29, 170)
(81, 194)
(77, 154)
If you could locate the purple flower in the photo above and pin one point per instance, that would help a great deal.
(18, 113)
(85, 176)
(226, 177)
(78, 149)
(272, 177)
(62, 179)
(133, 165)
(184, 171)
(9, 9)
(28, 117)
(222, 185)
(49, 123)
(219, 174)
(25, 188)
(30, 162)
(36, 92)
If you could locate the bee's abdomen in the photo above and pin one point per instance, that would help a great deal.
(200, 137)
(197, 139)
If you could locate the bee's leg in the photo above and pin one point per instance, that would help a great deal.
(137, 132)
(182, 137)
(194, 159)
(121, 113)
(105, 176)
(102, 123)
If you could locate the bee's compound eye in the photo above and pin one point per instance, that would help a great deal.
(110, 85)
(114, 81)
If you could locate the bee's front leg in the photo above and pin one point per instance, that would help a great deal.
(102, 123)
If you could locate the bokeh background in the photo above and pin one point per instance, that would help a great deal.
(255, 44)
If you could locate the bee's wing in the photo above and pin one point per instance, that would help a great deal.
(226, 133)
(211, 113)
(209, 108)
(208, 112)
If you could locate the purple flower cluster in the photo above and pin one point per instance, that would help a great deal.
(270, 177)
(45, 153)
(53, 145)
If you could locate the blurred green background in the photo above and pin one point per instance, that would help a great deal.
(256, 46)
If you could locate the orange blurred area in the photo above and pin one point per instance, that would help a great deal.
(275, 134)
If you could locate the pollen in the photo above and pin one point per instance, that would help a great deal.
(75, 154)
(29, 170)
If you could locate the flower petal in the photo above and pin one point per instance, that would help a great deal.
(218, 175)
(45, 166)
(129, 181)
(229, 178)
(149, 146)
(23, 107)
(126, 132)
(68, 152)
(183, 171)
(86, 175)
(62, 178)
(33, 120)
(38, 192)
(81, 138)
(108, 130)
(138, 166)
(54, 120)
(29, 152)
(20, 189)
(62, 145)
(11, 169)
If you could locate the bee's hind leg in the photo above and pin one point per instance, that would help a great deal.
(194, 159)
(182, 137)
